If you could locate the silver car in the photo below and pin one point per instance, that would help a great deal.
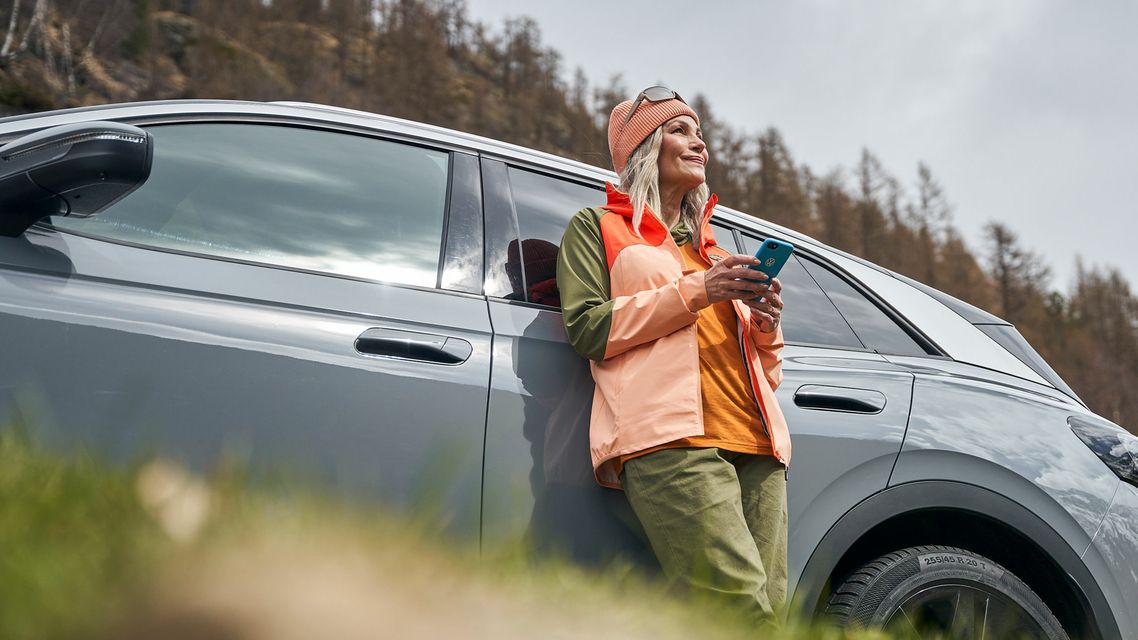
(369, 303)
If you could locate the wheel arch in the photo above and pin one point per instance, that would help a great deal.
(968, 516)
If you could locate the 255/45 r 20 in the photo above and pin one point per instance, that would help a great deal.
(945, 592)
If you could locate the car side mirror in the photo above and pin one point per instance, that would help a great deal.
(71, 170)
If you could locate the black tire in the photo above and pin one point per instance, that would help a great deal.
(943, 592)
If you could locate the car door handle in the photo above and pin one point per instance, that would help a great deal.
(817, 396)
(412, 345)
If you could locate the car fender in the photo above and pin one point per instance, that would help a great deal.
(967, 498)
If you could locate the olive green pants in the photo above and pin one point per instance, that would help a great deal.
(717, 523)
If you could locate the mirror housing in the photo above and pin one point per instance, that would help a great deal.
(70, 170)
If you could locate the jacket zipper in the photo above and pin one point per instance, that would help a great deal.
(758, 403)
(751, 378)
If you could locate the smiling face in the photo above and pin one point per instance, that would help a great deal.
(683, 155)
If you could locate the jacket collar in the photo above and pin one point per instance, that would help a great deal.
(651, 227)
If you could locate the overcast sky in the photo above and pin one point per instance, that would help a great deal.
(1026, 110)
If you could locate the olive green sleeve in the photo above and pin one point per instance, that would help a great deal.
(583, 281)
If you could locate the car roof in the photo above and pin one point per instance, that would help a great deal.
(299, 110)
(326, 113)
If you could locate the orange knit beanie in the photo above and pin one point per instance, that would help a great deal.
(649, 115)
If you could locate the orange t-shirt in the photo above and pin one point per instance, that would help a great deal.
(730, 416)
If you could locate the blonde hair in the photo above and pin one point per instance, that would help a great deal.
(641, 181)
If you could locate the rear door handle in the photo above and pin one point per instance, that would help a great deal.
(412, 345)
(817, 396)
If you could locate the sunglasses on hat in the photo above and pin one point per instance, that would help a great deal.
(657, 93)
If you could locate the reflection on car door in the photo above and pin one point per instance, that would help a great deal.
(539, 481)
(270, 295)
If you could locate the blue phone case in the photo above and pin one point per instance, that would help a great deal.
(773, 253)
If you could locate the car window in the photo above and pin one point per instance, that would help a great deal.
(544, 205)
(724, 237)
(1009, 338)
(808, 317)
(299, 198)
(873, 326)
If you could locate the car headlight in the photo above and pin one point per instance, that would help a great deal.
(1113, 445)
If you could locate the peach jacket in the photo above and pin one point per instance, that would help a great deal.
(630, 306)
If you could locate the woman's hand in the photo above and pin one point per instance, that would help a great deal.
(767, 311)
(730, 279)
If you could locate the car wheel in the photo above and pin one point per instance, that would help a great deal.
(943, 592)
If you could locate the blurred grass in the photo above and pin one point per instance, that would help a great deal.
(94, 550)
(73, 538)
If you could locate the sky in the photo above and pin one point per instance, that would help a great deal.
(1025, 110)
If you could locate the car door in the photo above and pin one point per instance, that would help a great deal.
(282, 296)
(846, 406)
(539, 480)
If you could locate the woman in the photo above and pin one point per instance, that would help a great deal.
(685, 349)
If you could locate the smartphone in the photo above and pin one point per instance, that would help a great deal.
(772, 255)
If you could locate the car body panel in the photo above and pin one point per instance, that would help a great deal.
(840, 457)
(974, 431)
(539, 482)
(1114, 553)
(253, 362)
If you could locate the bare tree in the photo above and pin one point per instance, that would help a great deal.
(112, 7)
(6, 49)
(36, 23)
(933, 210)
(1020, 276)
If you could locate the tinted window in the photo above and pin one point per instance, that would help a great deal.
(300, 198)
(544, 205)
(875, 329)
(808, 317)
(965, 310)
(1009, 338)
